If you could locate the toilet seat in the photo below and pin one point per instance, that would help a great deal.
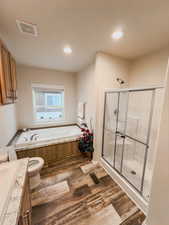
(35, 165)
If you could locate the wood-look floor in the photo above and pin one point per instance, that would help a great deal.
(78, 192)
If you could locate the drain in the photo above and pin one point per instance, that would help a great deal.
(133, 172)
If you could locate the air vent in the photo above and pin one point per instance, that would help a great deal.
(27, 28)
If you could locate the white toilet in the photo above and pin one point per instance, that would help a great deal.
(3, 157)
(34, 167)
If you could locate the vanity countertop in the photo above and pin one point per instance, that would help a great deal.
(13, 176)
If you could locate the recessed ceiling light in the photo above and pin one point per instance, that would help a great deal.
(67, 50)
(117, 34)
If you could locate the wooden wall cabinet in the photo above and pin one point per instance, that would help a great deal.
(8, 86)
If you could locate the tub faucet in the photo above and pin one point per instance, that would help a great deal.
(83, 124)
(25, 138)
(32, 136)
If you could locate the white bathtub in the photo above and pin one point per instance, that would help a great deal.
(42, 137)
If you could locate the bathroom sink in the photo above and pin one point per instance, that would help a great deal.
(8, 172)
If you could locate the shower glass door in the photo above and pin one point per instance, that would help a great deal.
(120, 130)
(126, 133)
(111, 112)
(136, 137)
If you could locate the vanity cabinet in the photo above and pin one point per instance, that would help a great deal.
(26, 207)
(13, 78)
(7, 76)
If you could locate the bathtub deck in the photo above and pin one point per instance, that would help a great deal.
(78, 192)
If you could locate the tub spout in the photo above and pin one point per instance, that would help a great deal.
(32, 136)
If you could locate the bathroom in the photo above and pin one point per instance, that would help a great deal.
(61, 88)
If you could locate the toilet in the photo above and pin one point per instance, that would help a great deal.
(3, 157)
(34, 166)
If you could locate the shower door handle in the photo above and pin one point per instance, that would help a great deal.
(123, 136)
(120, 135)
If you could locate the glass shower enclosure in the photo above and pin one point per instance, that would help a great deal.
(128, 115)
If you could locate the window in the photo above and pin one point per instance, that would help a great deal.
(48, 103)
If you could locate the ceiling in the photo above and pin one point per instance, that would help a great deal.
(85, 25)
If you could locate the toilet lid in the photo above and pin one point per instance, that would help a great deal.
(35, 164)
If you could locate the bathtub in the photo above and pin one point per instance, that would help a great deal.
(46, 136)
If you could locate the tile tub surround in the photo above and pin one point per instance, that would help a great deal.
(12, 213)
(81, 200)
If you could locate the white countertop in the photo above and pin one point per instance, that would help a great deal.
(12, 180)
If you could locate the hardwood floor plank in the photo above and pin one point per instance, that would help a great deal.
(135, 219)
(84, 199)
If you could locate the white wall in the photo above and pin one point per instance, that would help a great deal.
(159, 199)
(85, 92)
(28, 75)
(149, 70)
(8, 124)
(146, 71)
(108, 69)
(91, 84)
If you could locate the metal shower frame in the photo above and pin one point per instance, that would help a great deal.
(146, 144)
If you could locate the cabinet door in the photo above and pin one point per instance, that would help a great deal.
(13, 77)
(5, 77)
(26, 208)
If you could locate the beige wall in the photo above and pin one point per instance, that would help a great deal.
(8, 124)
(93, 81)
(146, 71)
(159, 199)
(149, 70)
(108, 68)
(91, 84)
(29, 75)
(85, 92)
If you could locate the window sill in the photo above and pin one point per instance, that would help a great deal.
(49, 123)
